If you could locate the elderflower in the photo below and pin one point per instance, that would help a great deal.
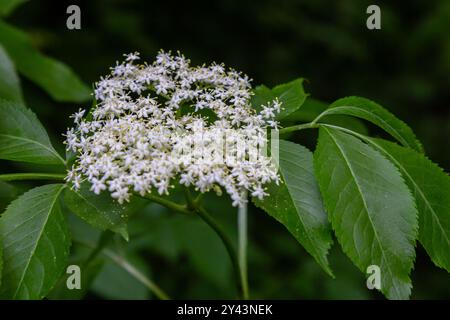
(154, 123)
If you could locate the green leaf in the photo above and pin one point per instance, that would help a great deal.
(312, 108)
(57, 79)
(100, 211)
(292, 95)
(370, 208)
(431, 188)
(296, 202)
(9, 81)
(36, 243)
(22, 137)
(347, 122)
(8, 6)
(81, 233)
(373, 112)
(7, 194)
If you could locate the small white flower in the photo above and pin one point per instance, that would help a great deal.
(132, 56)
(97, 186)
(259, 193)
(77, 116)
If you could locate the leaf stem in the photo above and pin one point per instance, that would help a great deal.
(298, 127)
(167, 203)
(32, 176)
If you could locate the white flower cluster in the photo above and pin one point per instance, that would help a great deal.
(154, 123)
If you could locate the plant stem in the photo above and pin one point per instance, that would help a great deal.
(31, 176)
(202, 213)
(124, 264)
(198, 198)
(167, 203)
(302, 126)
(190, 202)
(194, 207)
(205, 216)
(119, 260)
(242, 241)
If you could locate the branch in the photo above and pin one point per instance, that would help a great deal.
(167, 203)
(202, 213)
(298, 127)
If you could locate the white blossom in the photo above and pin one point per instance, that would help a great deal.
(166, 121)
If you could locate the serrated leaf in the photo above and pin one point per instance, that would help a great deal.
(296, 202)
(56, 78)
(431, 188)
(368, 110)
(9, 81)
(292, 95)
(100, 211)
(36, 243)
(23, 138)
(8, 6)
(370, 208)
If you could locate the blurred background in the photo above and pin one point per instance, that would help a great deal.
(405, 67)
